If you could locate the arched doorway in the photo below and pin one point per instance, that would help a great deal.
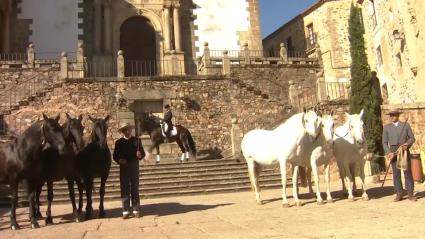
(138, 41)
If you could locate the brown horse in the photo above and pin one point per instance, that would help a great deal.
(149, 123)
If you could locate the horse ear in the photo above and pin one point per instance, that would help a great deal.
(107, 118)
(304, 110)
(332, 113)
(302, 120)
(361, 113)
(45, 117)
(80, 118)
(67, 116)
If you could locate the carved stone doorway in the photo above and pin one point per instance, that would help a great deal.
(141, 108)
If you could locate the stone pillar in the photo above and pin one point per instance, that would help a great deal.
(207, 56)
(283, 53)
(64, 66)
(236, 137)
(226, 63)
(246, 54)
(292, 93)
(321, 87)
(107, 28)
(176, 20)
(31, 55)
(120, 65)
(80, 60)
(97, 26)
(167, 28)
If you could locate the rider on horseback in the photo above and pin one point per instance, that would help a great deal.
(168, 115)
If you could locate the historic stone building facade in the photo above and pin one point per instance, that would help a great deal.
(395, 35)
(146, 30)
(320, 31)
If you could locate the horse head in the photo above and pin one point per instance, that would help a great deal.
(328, 127)
(148, 122)
(73, 131)
(99, 131)
(52, 133)
(355, 127)
(311, 122)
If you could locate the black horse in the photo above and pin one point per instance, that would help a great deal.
(95, 161)
(25, 162)
(56, 167)
(149, 123)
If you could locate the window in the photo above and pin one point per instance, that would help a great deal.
(289, 46)
(271, 52)
(311, 37)
(372, 13)
(379, 56)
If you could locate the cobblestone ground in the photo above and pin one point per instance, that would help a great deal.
(235, 215)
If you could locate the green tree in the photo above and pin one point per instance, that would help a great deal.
(363, 94)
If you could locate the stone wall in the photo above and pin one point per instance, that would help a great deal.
(205, 106)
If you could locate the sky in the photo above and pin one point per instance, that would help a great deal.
(275, 13)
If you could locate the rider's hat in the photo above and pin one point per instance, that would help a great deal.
(167, 106)
(394, 111)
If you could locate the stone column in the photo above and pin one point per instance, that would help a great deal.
(236, 138)
(226, 63)
(246, 53)
(120, 65)
(207, 56)
(80, 60)
(321, 87)
(97, 26)
(292, 93)
(107, 27)
(64, 66)
(167, 28)
(176, 20)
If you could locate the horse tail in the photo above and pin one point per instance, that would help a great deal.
(192, 144)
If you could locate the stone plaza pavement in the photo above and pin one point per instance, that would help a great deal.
(236, 215)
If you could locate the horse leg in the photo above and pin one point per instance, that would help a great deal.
(329, 198)
(283, 176)
(353, 177)
(348, 179)
(49, 219)
(89, 187)
(310, 185)
(316, 181)
(102, 195)
(180, 144)
(186, 146)
(14, 186)
(252, 177)
(38, 214)
(72, 197)
(295, 187)
(31, 199)
(80, 194)
(365, 197)
(342, 177)
(158, 156)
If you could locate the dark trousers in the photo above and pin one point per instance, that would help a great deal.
(408, 178)
(129, 183)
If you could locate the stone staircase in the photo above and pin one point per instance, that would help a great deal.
(173, 179)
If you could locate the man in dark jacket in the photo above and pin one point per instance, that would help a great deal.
(396, 136)
(127, 153)
(168, 116)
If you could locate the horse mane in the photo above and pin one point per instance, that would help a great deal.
(289, 123)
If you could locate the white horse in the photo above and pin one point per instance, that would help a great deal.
(314, 154)
(350, 151)
(264, 147)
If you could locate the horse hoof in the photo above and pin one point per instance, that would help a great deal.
(15, 227)
(299, 204)
(330, 200)
(260, 203)
(320, 203)
(351, 200)
(285, 205)
(49, 221)
(35, 225)
(366, 198)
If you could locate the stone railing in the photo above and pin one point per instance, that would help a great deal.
(219, 62)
